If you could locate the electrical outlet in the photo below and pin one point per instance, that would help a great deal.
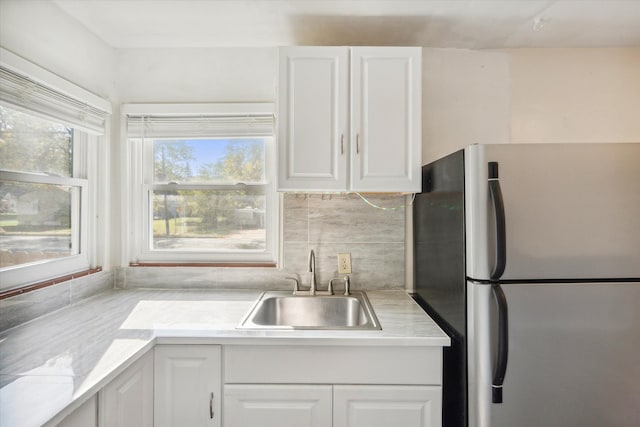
(344, 263)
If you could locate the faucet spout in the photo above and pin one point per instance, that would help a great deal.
(312, 272)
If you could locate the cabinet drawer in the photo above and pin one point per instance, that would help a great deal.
(332, 364)
(382, 406)
(277, 405)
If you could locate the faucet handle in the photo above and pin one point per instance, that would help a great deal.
(347, 285)
(330, 287)
(296, 284)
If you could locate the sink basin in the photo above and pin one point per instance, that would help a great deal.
(282, 310)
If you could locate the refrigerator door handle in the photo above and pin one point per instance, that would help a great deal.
(498, 207)
(503, 344)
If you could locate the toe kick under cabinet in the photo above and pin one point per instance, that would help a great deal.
(332, 386)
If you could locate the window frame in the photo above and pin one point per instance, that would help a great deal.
(139, 187)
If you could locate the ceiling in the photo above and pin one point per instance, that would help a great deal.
(431, 23)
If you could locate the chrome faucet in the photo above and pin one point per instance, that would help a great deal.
(312, 272)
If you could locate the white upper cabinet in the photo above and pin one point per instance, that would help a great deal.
(350, 119)
(313, 126)
(386, 118)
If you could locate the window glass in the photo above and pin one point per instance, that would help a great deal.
(35, 222)
(209, 160)
(220, 220)
(31, 144)
(40, 202)
(224, 207)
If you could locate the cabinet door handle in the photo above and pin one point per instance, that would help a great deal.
(211, 406)
(342, 143)
(357, 143)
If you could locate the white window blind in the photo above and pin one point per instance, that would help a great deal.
(23, 92)
(200, 126)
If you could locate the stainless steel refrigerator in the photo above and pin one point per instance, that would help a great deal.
(528, 255)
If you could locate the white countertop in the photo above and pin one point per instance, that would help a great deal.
(51, 365)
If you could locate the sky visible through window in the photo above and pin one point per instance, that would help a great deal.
(206, 151)
(209, 160)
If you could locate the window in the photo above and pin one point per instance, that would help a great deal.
(206, 191)
(40, 197)
(46, 187)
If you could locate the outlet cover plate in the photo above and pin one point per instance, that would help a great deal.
(344, 263)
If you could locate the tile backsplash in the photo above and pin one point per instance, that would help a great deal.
(337, 223)
(328, 224)
(28, 306)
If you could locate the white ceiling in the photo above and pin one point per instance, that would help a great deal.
(452, 23)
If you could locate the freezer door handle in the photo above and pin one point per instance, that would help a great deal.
(498, 207)
(503, 344)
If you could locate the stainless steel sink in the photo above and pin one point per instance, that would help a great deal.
(281, 310)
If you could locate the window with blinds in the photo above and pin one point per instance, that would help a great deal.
(48, 141)
(205, 187)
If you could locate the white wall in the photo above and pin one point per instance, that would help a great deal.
(197, 75)
(41, 33)
(575, 95)
(529, 96)
(465, 100)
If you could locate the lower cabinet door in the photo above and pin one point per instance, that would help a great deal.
(84, 416)
(127, 401)
(188, 386)
(384, 406)
(277, 405)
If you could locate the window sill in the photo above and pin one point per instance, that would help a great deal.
(205, 264)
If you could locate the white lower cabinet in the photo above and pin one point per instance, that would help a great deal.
(84, 416)
(188, 386)
(277, 405)
(384, 406)
(272, 386)
(332, 386)
(127, 401)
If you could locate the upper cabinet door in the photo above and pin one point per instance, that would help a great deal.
(386, 120)
(313, 118)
